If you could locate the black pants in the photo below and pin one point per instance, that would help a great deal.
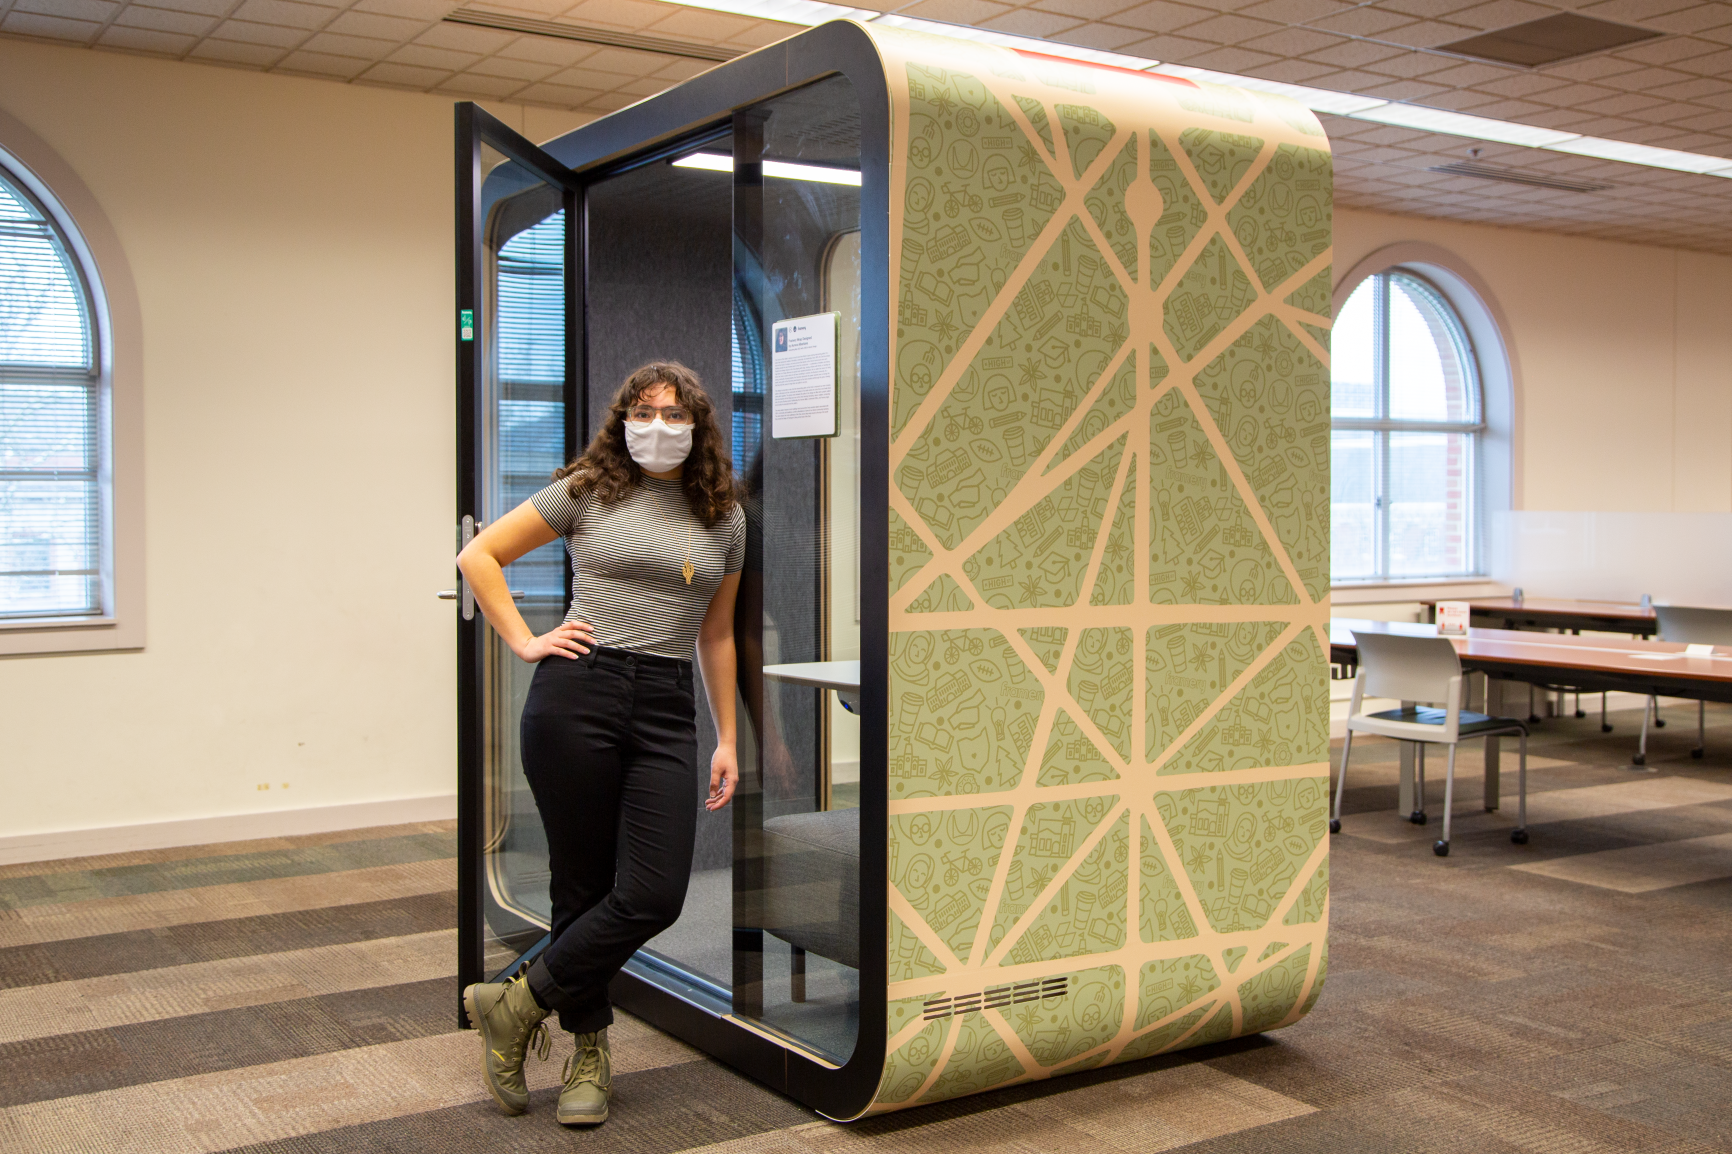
(610, 750)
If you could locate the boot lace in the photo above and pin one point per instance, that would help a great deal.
(584, 1065)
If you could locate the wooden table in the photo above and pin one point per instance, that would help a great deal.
(1659, 668)
(1547, 613)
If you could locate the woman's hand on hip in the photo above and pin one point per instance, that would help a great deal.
(569, 639)
(724, 776)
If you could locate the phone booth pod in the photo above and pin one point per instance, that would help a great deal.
(1067, 556)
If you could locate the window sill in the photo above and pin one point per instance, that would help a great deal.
(1385, 592)
(46, 635)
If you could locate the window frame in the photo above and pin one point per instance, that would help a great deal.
(1382, 425)
(111, 299)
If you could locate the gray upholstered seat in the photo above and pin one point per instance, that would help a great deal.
(812, 882)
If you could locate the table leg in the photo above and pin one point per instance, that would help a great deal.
(1491, 773)
(1404, 799)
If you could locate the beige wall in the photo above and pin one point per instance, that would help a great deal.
(291, 244)
(1623, 358)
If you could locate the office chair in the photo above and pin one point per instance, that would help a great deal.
(1420, 669)
(1693, 627)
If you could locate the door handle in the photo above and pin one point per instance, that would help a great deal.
(451, 595)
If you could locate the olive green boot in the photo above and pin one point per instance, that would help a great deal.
(510, 1024)
(588, 1082)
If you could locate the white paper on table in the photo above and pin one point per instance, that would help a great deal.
(803, 376)
(1452, 618)
(1698, 651)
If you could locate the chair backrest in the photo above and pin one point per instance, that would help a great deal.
(1694, 626)
(1406, 668)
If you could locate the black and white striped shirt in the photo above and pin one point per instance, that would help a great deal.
(626, 562)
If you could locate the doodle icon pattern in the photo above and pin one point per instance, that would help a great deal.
(1108, 566)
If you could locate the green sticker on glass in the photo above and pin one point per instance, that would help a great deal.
(466, 324)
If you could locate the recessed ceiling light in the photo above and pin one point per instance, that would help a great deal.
(1561, 36)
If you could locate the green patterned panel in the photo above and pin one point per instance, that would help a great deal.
(1105, 416)
(964, 715)
(1242, 848)
(1085, 915)
(943, 865)
(1269, 396)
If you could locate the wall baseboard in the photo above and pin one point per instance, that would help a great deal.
(34, 847)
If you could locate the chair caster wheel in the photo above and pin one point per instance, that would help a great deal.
(1659, 723)
(1534, 719)
(1334, 825)
(1605, 729)
(1697, 754)
(1581, 713)
(1441, 849)
(1639, 759)
(1417, 817)
(1520, 836)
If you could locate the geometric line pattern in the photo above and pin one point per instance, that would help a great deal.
(1109, 556)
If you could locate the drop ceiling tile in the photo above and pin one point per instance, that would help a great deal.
(1632, 11)
(678, 68)
(1108, 37)
(1229, 29)
(703, 27)
(466, 38)
(1083, 9)
(1517, 110)
(406, 75)
(409, 9)
(557, 95)
(1161, 16)
(285, 13)
(1412, 91)
(1668, 50)
(146, 40)
(199, 7)
(956, 11)
(1349, 80)
(1365, 21)
(1691, 88)
(1292, 71)
(1233, 59)
(1174, 49)
(1691, 19)
(547, 50)
(162, 20)
(522, 71)
(471, 84)
(1716, 64)
(1499, 14)
(246, 32)
(1355, 53)
(1294, 41)
(355, 47)
(393, 28)
(93, 11)
(1029, 22)
(1425, 9)
(321, 64)
(1426, 34)
(1706, 121)
(230, 52)
(1293, 11)
(1621, 105)
(610, 102)
(634, 15)
(624, 61)
(426, 56)
(1412, 65)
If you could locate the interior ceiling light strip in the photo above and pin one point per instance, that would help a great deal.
(1516, 176)
(719, 162)
(585, 34)
(1392, 112)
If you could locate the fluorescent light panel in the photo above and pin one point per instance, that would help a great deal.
(717, 162)
(1415, 116)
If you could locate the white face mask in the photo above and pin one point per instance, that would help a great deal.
(657, 447)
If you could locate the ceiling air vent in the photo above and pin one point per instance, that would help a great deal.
(1516, 176)
(1548, 40)
(997, 997)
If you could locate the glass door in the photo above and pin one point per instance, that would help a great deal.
(518, 239)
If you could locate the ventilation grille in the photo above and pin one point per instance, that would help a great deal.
(1516, 176)
(1562, 36)
(997, 997)
(561, 30)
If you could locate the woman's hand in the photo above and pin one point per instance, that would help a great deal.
(724, 776)
(570, 639)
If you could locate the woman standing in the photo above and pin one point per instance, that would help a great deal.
(656, 536)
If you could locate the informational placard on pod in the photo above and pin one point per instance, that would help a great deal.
(803, 376)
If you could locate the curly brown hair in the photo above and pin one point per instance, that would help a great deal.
(607, 472)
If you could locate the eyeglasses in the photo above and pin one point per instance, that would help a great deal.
(673, 416)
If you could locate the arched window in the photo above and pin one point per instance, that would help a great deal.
(1408, 420)
(51, 419)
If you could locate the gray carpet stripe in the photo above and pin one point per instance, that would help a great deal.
(140, 857)
(174, 991)
(57, 921)
(107, 954)
(21, 891)
(92, 1061)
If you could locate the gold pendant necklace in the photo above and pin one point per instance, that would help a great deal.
(687, 570)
